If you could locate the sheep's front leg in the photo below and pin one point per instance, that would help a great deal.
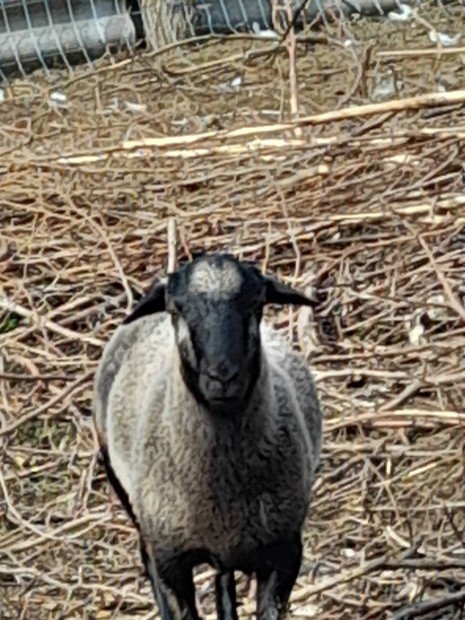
(173, 587)
(279, 567)
(226, 596)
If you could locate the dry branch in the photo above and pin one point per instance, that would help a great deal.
(418, 610)
(454, 302)
(427, 51)
(352, 112)
(39, 321)
(172, 245)
(4, 430)
(12, 376)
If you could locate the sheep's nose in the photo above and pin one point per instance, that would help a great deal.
(223, 372)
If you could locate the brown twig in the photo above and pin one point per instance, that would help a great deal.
(12, 376)
(37, 321)
(290, 41)
(427, 51)
(46, 406)
(454, 302)
(347, 576)
(436, 604)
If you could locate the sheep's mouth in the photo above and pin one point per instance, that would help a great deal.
(221, 392)
(224, 404)
(225, 399)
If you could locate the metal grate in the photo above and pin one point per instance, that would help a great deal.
(47, 33)
(44, 33)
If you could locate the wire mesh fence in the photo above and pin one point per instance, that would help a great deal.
(47, 33)
(40, 33)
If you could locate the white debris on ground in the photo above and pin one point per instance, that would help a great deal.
(386, 87)
(406, 13)
(135, 107)
(58, 100)
(444, 39)
(266, 33)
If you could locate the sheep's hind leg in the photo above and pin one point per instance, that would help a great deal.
(226, 596)
(173, 588)
(278, 569)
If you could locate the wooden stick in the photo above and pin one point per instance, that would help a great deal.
(394, 105)
(435, 604)
(289, 39)
(138, 147)
(291, 44)
(427, 51)
(416, 417)
(172, 245)
(307, 591)
(146, 146)
(148, 150)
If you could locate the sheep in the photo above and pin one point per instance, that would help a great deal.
(210, 428)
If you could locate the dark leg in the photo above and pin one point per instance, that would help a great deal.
(172, 585)
(226, 596)
(279, 566)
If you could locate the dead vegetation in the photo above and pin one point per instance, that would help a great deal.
(366, 204)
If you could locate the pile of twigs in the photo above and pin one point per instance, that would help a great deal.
(364, 203)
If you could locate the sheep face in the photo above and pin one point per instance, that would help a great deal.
(216, 308)
(216, 305)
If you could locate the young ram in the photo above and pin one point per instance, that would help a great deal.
(210, 429)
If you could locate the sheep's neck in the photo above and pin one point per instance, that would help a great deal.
(249, 416)
(225, 452)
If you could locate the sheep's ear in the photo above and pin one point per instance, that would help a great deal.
(153, 302)
(279, 293)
